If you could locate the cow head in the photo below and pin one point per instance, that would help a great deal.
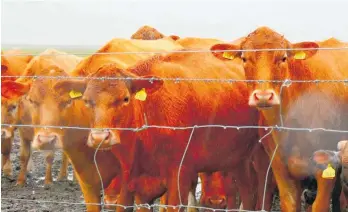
(10, 97)
(47, 106)
(113, 102)
(336, 158)
(265, 65)
(215, 189)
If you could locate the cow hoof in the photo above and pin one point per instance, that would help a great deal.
(20, 184)
(47, 186)
(62, 178)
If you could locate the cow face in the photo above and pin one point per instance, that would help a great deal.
(9, 115)
(10, 97)
(335, 158)
(48, 105)
(267, 64)
(114, 103)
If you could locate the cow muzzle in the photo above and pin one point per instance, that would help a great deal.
(102, 139)
(110, 201)
(264, 99)
(6, 134)
(45, 141)
(217, 202)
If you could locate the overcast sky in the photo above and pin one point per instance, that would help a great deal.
(94, 22)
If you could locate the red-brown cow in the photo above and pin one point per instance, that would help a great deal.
(45, 97)
(15, 113)
(259, 157)
(302, 105)
(115, 104)
(219, 190)
(92, 63)
(12, 64)
(150, 33)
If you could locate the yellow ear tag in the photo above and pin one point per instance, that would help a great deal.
(141, 95)
(74, 94)
(228, 55)
(300, 55)
(329, 172)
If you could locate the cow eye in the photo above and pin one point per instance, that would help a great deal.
(88, 103)
(67, 103)
(31, 101)
(12, 108)
(284, 59)
(126, 99)
(244, 59)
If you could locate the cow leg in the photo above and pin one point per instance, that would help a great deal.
(322, 200)
(49, 162)
(163, 202)
(6, 165)
(126, 198)
(260, 165)
(343, 201)
(25, 151)
(245, 185)
(63, 172)
(91, 194)
(185, 186)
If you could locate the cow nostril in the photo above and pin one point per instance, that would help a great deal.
(256, 96)
(271, 96)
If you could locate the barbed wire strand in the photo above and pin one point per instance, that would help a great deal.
(135, 206)
(276, 127)
(177, 79)
(177, 51)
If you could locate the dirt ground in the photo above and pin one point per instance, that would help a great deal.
(35, 197)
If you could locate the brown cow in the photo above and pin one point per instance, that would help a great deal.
(14, 112)
(211, 149)
(45, 98)
(150, 33)
(219, 190)
(337, 159)
(12, 64)
(303, 105)
(259, 158)
(92, 63)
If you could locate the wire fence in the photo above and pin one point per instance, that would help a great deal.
(284, 84)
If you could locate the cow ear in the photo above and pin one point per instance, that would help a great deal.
(147, 84)
(174, 37)
(228, 55)
(13, 90)
(324, 157)
(341, 145)
(75, 88)
(298, 54)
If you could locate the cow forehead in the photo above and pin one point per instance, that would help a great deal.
(264, 38)
(44, 88)
(98, 86)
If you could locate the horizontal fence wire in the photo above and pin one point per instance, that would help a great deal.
(345, 81)
(135, 206)
(136, 129)
(285, 83)
(183, 51)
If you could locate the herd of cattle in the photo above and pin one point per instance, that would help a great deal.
(153, 162)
